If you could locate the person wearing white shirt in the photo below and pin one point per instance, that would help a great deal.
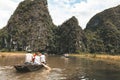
(37, 59)
(28, 57)
(43, 61)
(42, 58)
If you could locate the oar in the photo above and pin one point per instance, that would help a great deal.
(47, 67)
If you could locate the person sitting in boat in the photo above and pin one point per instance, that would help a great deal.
(28, 57)
(37, 59)
(34, 57)
(42, 58)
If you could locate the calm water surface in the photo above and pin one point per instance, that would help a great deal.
(72, 68)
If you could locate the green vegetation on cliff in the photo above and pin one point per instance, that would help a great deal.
(70, 37)
(31, 26)
(103, 31)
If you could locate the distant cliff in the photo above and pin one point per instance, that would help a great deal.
(103, 31)
(71, 37)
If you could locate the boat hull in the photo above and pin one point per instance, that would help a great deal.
(27, 68)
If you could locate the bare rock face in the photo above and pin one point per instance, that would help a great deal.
(30, 26)
(103, 31)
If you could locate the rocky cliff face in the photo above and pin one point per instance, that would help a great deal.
(103, 31)
(71, 37)
(30, 26)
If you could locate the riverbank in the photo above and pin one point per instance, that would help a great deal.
(11, 54)
(99, 57)
(83, 55)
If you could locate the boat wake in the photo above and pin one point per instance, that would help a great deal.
(5, 67)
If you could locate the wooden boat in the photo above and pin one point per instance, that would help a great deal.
(27, 67)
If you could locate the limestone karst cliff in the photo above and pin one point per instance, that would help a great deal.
(30, 26)
(103, 31)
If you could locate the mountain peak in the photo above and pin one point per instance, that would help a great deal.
(30, 25)
(108, 18)
(104, 29)
(73, 21)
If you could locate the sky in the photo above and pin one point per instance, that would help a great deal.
(62, 10)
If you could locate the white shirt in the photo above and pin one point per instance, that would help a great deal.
(28, 57)
(42, 58)
(37, 60)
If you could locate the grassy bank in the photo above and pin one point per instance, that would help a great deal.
(6, 54)
(99, 56)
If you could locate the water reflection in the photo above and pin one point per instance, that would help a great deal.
(72, 68)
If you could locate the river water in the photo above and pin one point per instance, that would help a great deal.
(62, 68)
